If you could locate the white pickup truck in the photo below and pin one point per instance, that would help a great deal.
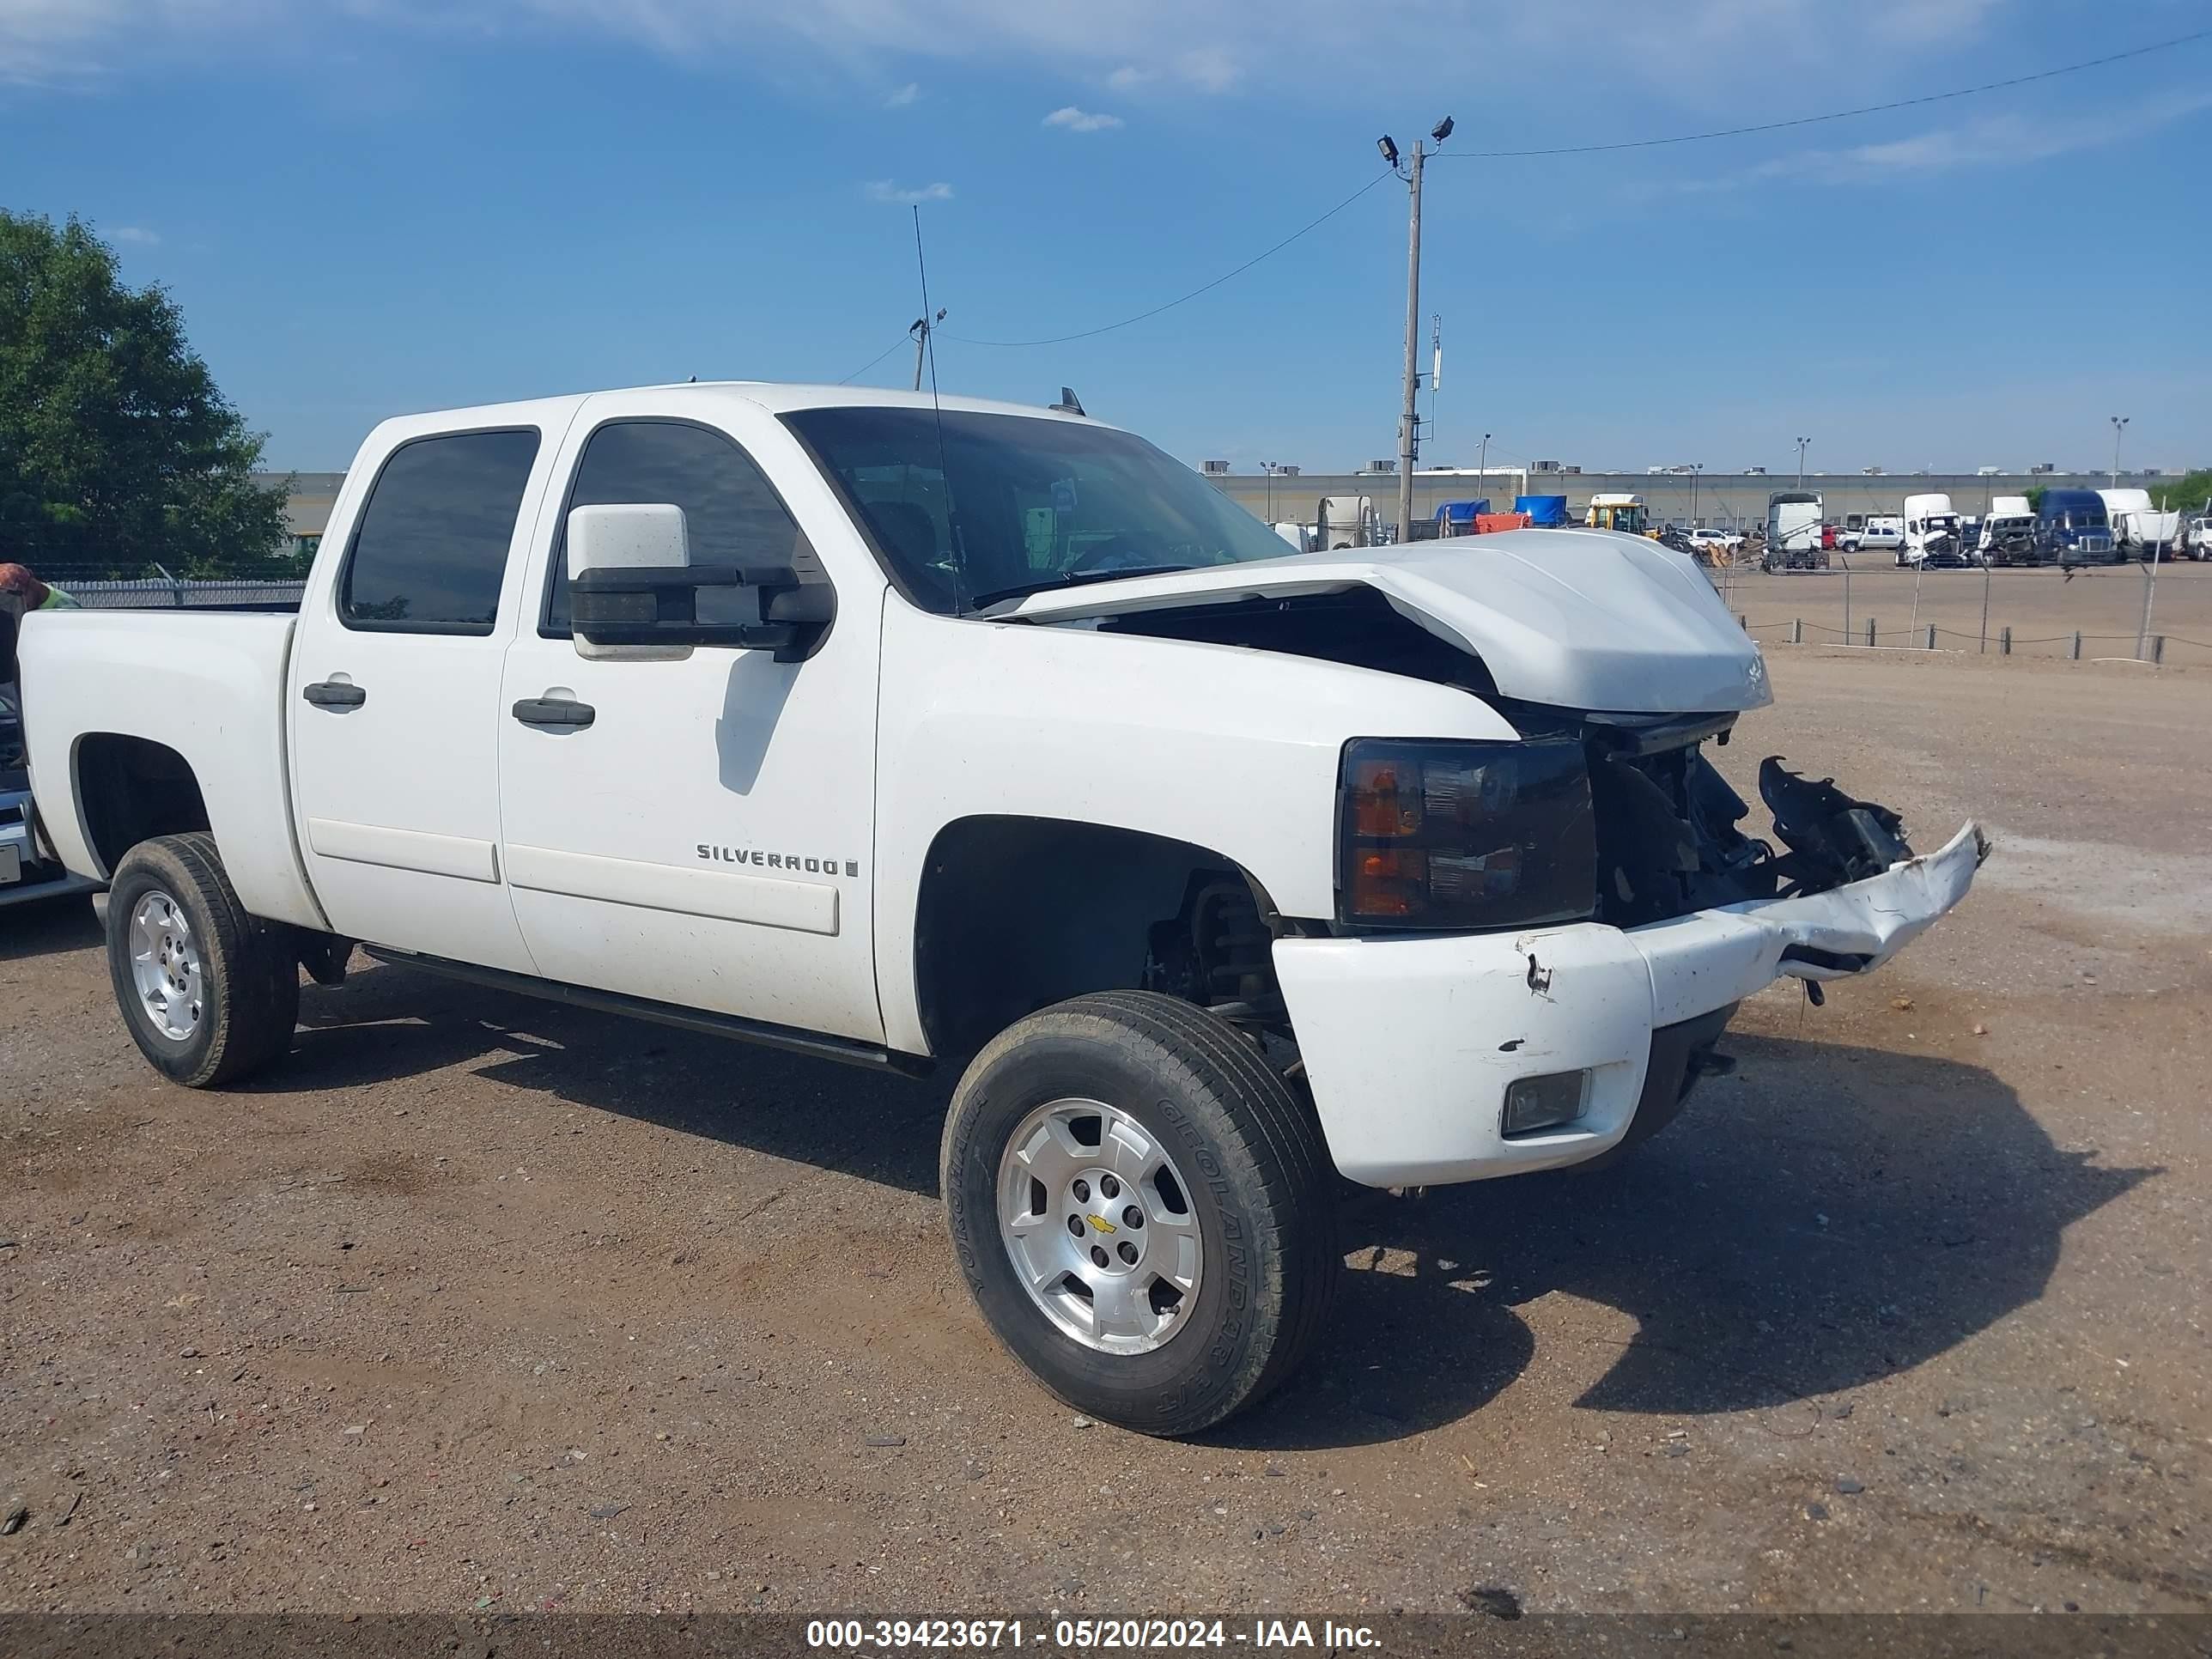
(992, 737)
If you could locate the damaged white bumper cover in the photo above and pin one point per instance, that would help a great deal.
(1411, 1044)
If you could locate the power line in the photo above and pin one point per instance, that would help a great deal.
(1587, 150)
(878, 358)
(1835, 115)
(1310, 225)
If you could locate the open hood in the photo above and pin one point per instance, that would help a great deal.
(1584, 619)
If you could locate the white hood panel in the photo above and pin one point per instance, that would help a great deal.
(1586, 619)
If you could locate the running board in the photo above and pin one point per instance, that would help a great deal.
(665, 1013)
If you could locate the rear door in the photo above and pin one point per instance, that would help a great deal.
(393, 692)
(706, 839)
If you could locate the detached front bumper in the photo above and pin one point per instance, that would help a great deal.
(1410, 1044)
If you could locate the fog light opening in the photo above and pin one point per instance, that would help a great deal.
(1533, 1104)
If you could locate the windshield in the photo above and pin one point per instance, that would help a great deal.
(1040, 502)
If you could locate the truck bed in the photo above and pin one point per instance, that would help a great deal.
(207, 686)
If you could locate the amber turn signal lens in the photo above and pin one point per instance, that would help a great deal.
(1379, 810)
(1388, 883)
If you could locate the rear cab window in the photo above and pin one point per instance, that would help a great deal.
(430, 551)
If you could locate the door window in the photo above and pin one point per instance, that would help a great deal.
(732, 514)
(431, 548)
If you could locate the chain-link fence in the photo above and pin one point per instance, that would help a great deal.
(2129, 612)
(114, 584)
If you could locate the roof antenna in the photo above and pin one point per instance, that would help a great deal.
(928, 341)
(1069, 404)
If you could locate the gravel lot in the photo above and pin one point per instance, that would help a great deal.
(477, 1302)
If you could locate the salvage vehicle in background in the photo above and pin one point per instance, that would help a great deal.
(1884, 532)
(1618, 510)
(2008, 533)
(968, 735)
(2141, 530)
(1932, 538)
(2072, 528)
(1793, 532)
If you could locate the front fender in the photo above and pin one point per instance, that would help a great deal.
(1231, 749)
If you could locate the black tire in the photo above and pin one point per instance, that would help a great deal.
(249, 976)
(1260, 1183)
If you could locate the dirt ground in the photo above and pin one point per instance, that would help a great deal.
(2042, 606)
(480, 1303)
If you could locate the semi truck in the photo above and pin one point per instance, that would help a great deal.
(2072, 528)
(985, 739)
(1793, 532)
(2008, 533)
(1932, 536)
(2140, 531)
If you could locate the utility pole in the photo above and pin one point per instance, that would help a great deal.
(1696, 468)
(1268, 467)
(920, 329)
(1409, 418)
(2119, 425)
(1482, 467)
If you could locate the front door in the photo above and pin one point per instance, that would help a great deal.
(394, 688)
(705, 839)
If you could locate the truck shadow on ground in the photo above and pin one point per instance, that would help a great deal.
(1826, 1217)
(46, 927)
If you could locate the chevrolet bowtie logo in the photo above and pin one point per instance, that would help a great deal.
(1101, 1223)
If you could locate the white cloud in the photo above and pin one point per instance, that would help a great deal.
(1209, 67)
(1706, 45)
(905, 95)
(2010, 139)
(883, 189)
(137, 233)
(1077, 121)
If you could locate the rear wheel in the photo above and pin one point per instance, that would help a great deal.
(1143, 1211)
(209, 992)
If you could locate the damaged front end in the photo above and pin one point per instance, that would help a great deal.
(1669, 826)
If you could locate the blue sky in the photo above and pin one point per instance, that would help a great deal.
(372, 206)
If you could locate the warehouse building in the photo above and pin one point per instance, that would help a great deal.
(1724, 500)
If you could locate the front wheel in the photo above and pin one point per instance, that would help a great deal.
(209, 992)
(1143, 1210)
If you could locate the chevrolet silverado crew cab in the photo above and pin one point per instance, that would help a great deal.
(990, 738)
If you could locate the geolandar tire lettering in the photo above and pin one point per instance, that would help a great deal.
(1142, 1209)
(209, 992)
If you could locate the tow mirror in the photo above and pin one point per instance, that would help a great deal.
(634, 591)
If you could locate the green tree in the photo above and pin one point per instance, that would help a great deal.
(2192, 493)
(117, 450)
